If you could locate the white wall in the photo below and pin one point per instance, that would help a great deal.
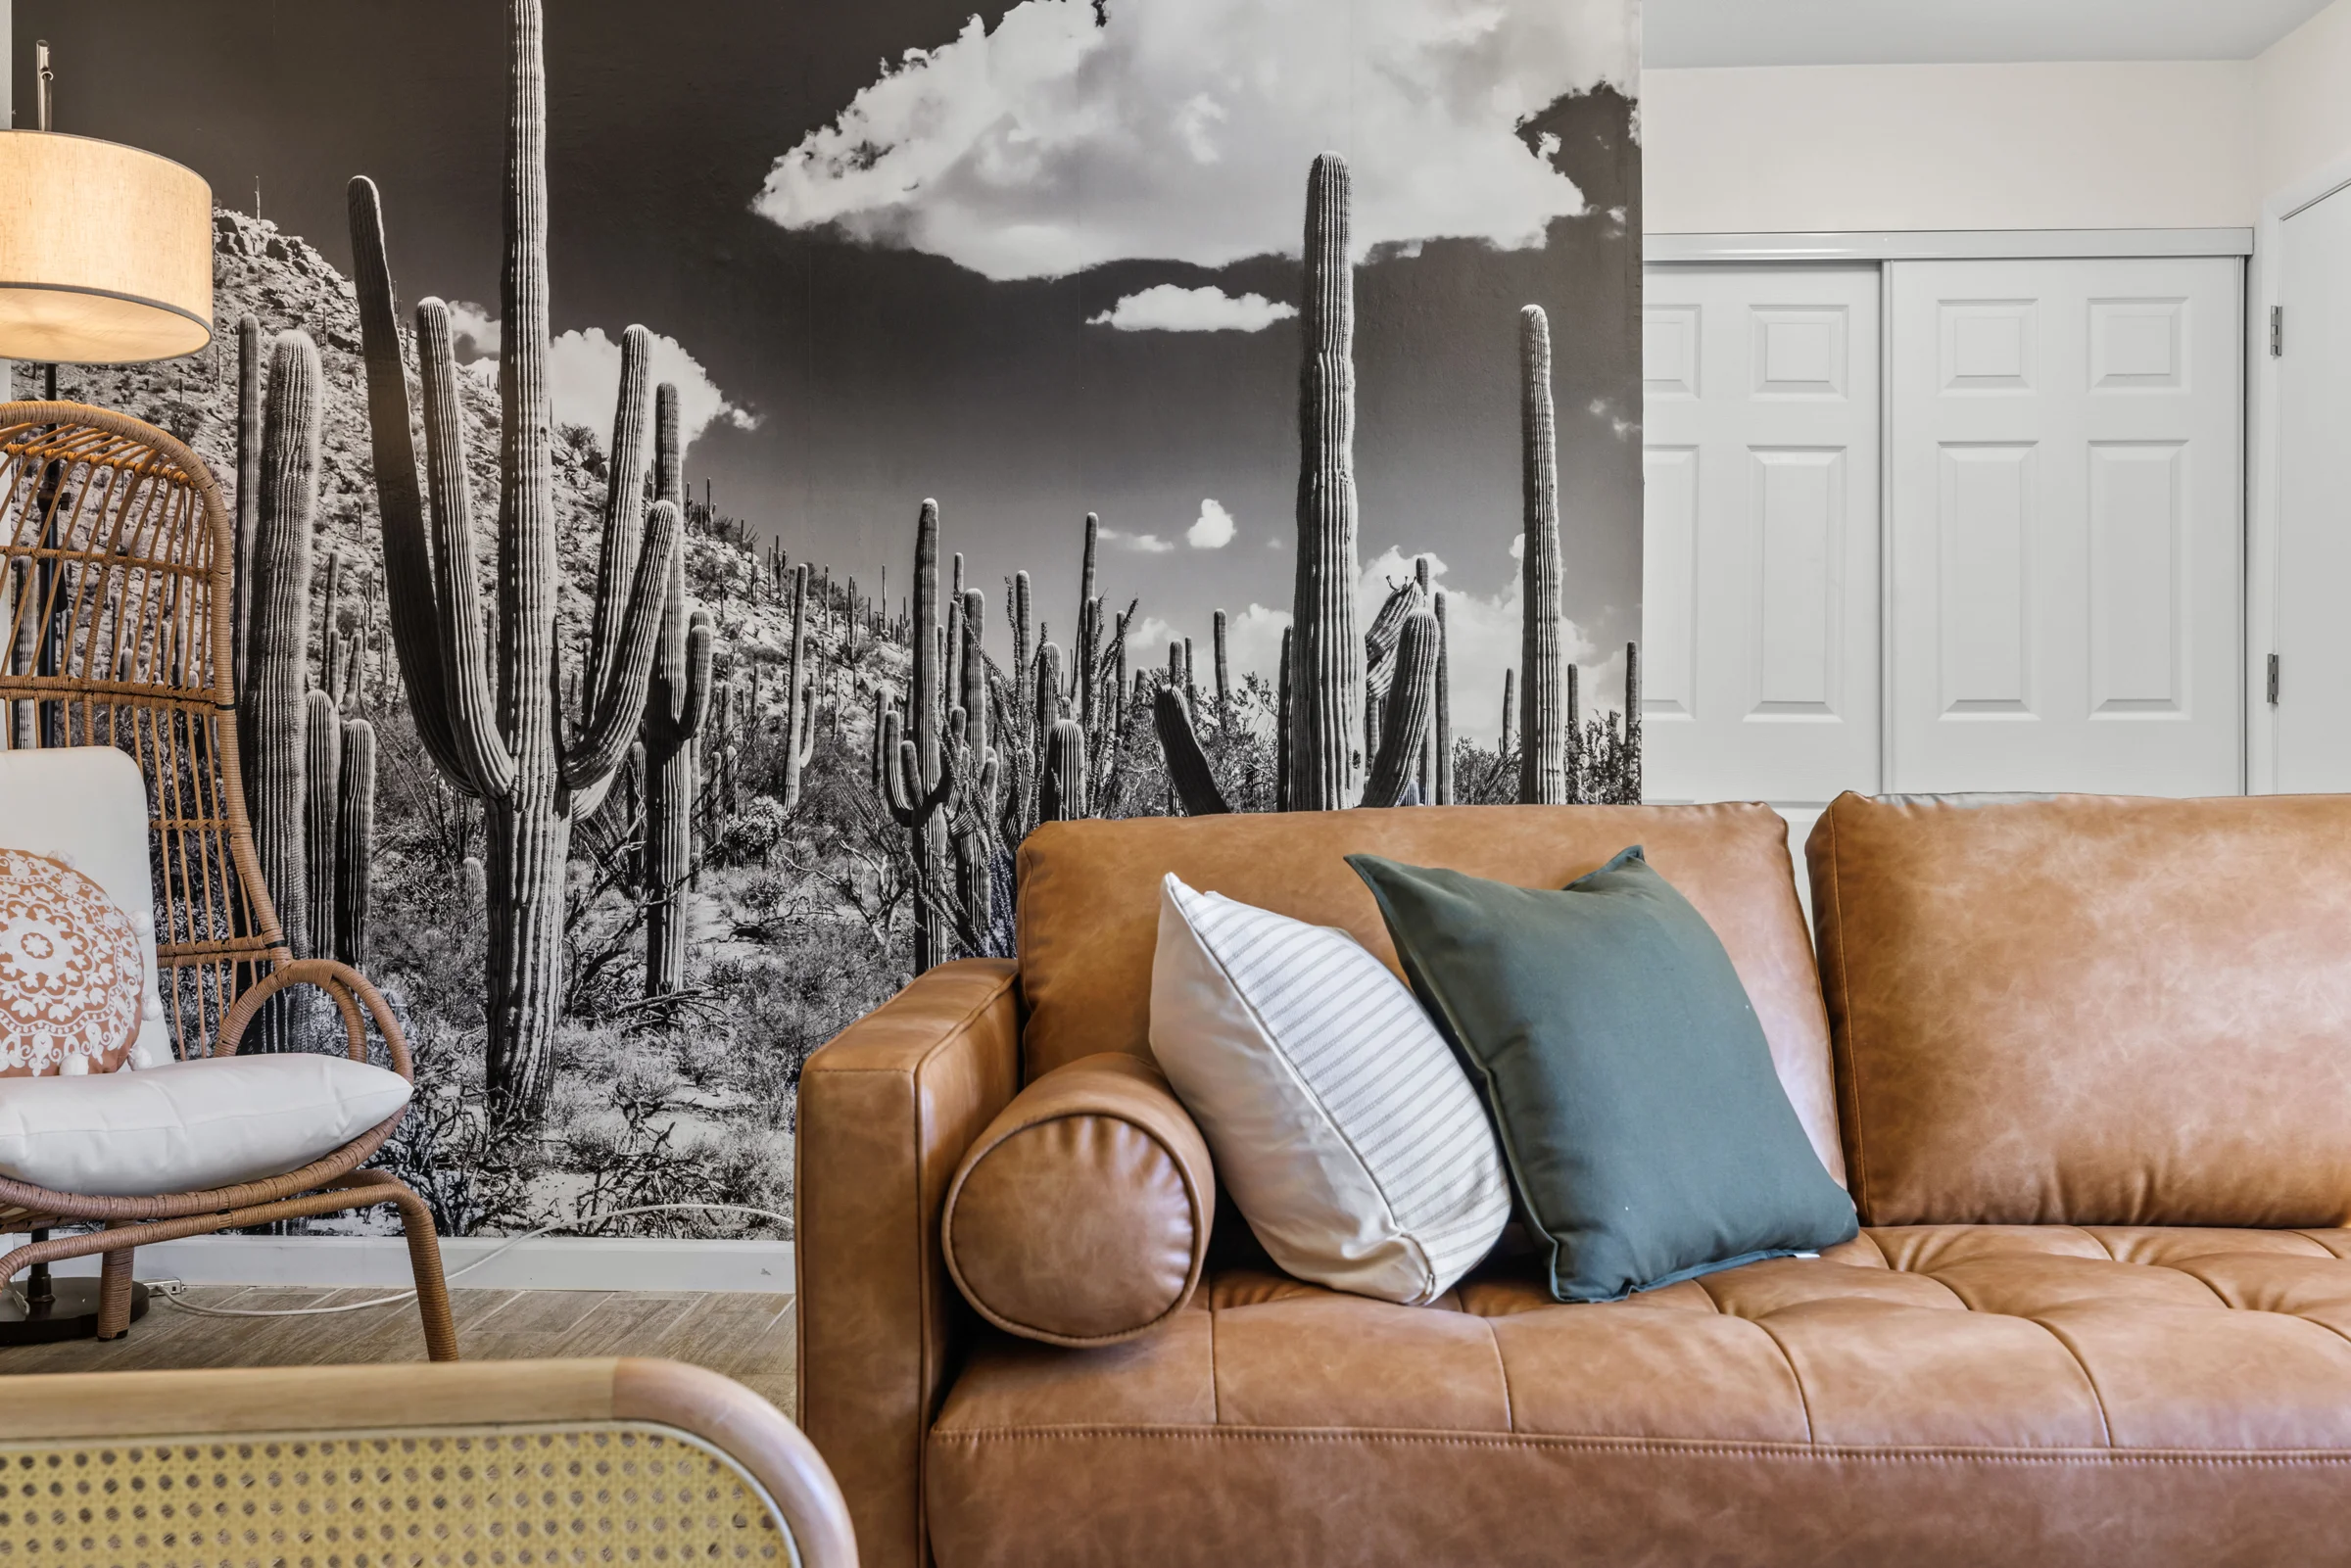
(2191, 144)
(1805, 148)
(2302, 100)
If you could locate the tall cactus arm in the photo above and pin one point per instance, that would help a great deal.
(620, 696)
(408, 549)
(1187, 765)
(924, 803)
(701, 634)
(624, 514)
(1412, 708)
(470, 708)
(889, 774)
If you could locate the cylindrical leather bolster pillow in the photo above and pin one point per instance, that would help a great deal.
(1080, 1216)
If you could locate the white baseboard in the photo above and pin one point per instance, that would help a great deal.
(546, 1262)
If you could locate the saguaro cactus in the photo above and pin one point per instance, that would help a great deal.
(1223, 675)
(1379, 656)
(677, 701)
(1326, 669)
(1543, 718)
(249, 369)
(923, 785)
(1411, 709)
(487, 714)
(1510, 708)
(274, 709)
(1063, 796)
(1576, 770)
(799, 693)
(1444, 741)
(977, 764)
(1282, 728)
(355, 841)
(1632, 724)
(1085, 669)
(1187, 765)
(322, 783)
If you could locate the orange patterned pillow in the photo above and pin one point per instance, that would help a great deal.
(71, 973)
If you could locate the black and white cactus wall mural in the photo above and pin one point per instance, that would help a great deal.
(709, 482)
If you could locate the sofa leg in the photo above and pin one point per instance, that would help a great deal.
(113, 1292)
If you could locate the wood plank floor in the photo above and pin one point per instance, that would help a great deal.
(747, 1337)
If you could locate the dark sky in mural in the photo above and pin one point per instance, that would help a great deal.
(934, 296)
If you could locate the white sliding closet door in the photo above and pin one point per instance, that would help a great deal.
(2065, 533)
(2313, 632)
(1759, 604)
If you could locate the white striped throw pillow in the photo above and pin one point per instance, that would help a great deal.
(1348, 1135)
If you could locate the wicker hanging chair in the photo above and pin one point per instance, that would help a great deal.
(115, 600)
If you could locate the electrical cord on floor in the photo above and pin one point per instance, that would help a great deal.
(488, 1257)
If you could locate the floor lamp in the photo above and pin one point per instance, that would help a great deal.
(106, 258)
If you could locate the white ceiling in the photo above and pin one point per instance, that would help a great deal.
(1854, 32)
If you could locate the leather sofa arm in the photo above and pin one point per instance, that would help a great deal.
(886, 1111)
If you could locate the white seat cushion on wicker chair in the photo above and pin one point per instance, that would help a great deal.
(87, 807)
(189, 1126)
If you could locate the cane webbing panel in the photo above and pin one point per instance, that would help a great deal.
(488, 1497)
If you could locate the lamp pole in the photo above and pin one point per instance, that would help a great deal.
(42, 91)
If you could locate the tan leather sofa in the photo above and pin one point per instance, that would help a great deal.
(2084, 1062)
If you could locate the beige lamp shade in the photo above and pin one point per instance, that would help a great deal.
(106, 253)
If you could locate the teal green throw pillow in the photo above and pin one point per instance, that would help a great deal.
(1627, 1074)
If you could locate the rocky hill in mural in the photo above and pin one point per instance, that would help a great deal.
(676, 1092)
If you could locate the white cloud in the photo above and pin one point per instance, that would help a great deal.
(1253, 641)
(1164, 308)
(1183, 131)
(583, 378)
(1213, 528)
(1143, 543)
(1147, 640)
(583, 375)
(473, 330)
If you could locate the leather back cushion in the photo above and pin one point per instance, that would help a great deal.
(1090, 896)
(2091, 1011)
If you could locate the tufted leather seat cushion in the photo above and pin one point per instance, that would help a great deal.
(1951, 1393)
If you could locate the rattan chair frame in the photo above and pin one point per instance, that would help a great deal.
(116, 587)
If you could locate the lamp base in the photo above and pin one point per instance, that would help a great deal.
(71, 1313)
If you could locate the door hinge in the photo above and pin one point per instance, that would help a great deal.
(2277, 331)
(2273, 679)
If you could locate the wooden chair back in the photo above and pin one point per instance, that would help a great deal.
(116, 564)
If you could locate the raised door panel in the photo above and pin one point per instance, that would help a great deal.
(1798, 516)
(2138, 633)
(1669, 558)
(1983, 511)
